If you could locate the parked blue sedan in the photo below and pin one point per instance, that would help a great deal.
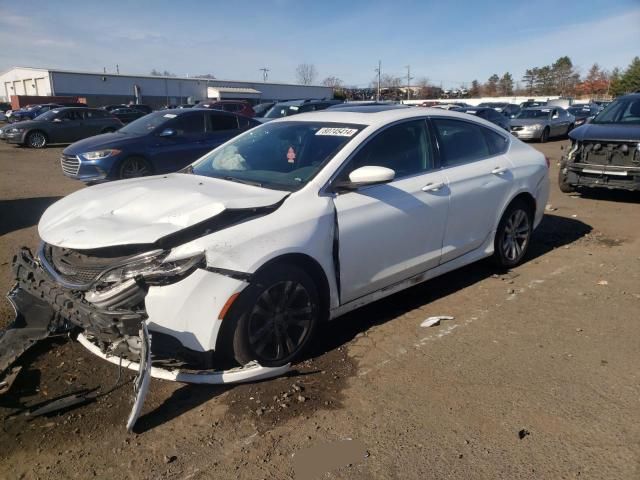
(160, 142)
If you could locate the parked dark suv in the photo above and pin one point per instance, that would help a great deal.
(163, 141)
(61, 125)
(489, 114)
(605, 152)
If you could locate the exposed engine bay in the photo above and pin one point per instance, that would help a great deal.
(608, 164)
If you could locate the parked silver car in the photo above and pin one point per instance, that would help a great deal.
(542, 123)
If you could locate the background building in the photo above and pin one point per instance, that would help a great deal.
(108, 88)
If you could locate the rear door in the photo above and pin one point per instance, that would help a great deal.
(473, 159)
(170, 154)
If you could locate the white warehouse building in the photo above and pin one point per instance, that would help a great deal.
(108, 88)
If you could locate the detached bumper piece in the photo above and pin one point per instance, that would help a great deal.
(35, 320)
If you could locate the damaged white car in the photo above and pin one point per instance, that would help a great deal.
(236, 259)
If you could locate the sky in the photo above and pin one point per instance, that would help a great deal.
(449, 43)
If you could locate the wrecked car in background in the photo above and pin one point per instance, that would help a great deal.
(235, 260)
(605, 153)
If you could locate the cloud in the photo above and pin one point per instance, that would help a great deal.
(16, 21)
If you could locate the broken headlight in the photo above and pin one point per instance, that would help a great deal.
(572, 151)
(154, 270)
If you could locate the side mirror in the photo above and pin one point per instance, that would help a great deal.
(168, 132)
(367, 175)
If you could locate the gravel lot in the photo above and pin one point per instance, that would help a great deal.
(536, 377)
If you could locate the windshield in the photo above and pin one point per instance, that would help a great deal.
(623, 110)
(282, 156)
(534, 113)
(48, 116)
(279, 110)
(147, 124)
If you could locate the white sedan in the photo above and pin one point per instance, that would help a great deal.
(240, 256)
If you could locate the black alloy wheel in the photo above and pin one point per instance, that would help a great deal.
(280, 311)
(134, 167)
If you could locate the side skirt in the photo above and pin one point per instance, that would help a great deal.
(483, 251)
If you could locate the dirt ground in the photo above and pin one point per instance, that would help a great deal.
(536, 377)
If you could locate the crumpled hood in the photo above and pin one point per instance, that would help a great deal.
(143, 210)
(612, 132)
(521, 122)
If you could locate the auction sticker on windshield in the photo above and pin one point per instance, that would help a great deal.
(337, 132)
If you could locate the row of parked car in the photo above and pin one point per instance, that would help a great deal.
(117, 141)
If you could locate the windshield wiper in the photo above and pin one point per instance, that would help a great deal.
(246, 182)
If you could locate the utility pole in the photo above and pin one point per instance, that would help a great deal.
(117, 69)
(379, 72)
(265, 73)
(409, 78)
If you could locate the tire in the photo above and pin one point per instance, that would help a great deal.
(545, 135)
(513, 235)
(562, 180)
(36, 139)
(134, 167)
(275, 317)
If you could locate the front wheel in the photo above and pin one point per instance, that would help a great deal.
(276, 316)
(133, 167)
(513, 235)
(36, 140)
(545, 135)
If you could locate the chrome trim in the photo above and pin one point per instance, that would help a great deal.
(50, 269)
(68, 164)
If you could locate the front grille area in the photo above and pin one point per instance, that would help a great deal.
(614, 154)
(70, 164)
(73, 267)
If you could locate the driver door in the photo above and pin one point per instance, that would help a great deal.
(390, 232)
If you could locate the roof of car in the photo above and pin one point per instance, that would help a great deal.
(369, 108)
(374, 118)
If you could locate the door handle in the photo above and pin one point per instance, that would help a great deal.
(499, 171)
(433, 187)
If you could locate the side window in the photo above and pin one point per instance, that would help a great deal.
(71, 115)
(497, 143)
(188, 124)
(229, 107)
(222, 122)
(405, 148)
(245, 122)
(460, 142)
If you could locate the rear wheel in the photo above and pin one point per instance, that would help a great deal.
(275, 317)
(513, 235)
(36, 140)
(133, 167)
(545, 135)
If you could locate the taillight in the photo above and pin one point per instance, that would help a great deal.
(546, 159)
